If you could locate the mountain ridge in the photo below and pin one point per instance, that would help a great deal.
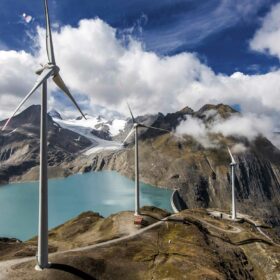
(192, 244)
(201, 174)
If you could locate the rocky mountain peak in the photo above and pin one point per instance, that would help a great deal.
(31, 115)
(187, 111)
(210, 111)
(201, 175)
(54, 114)
(222, 109)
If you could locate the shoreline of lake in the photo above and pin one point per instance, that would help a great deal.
(105, 192)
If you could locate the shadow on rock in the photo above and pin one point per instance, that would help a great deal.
(72, 270)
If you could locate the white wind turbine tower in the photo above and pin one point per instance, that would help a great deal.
(233, 165)
(136, 126)
(50, 69)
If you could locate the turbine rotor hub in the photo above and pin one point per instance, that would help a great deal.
(52, 66)
(48, 66)
(56, 70)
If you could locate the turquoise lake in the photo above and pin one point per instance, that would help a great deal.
(105, 192)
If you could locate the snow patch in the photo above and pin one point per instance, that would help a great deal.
(85, 127)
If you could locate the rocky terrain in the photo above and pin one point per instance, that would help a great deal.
(201, 174)
(189, 245)
(19, 146)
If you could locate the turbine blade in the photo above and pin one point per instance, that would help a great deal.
(156, 128)
(128, 135)
(231, 156)
(133, 119)
(40, 71)
(59, 82)
(49, 42)
(43, 77)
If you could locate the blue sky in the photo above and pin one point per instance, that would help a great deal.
(160, 56)
(218, 31)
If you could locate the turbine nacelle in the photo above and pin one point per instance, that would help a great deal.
(233, 162)
(50, 69)
(54, 67)
(39, 71)
(134, 131)
(137, 124)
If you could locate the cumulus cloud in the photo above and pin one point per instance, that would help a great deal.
(109, 72)
(197, 129)
(267, 38)
(248, 125)
(16, 79)
(238, 148)
(101, 70)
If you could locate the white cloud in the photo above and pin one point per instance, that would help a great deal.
(267, 38)
(100, 69)
(238, 148)
(16, 78)
(195, 128)
(94, 63)
(247, 125)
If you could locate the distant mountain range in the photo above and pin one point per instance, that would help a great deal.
(201, 174)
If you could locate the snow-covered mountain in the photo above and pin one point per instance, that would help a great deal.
(55, 114)
(97, 129)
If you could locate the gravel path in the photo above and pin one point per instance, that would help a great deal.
(6, 266)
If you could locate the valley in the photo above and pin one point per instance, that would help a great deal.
(200, 174)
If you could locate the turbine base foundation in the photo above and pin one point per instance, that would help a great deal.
(39, 268)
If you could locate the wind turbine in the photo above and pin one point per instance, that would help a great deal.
(232, 165)
(136, 126)
(50, 69)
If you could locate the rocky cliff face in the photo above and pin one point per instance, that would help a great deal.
(202, 175)
(19, 144)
